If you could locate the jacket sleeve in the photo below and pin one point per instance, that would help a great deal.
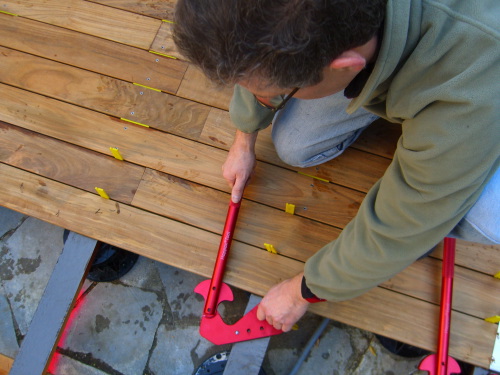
(445, 157)
(246, 113)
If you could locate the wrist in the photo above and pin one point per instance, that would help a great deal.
(307, 294)
(245, 141)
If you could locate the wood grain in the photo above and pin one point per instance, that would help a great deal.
(162, 9)
(102, 56)
(164, 44)
(248, 268)
(273, 186)
(68, 163)
(185, 201)
(195, 86)
(5, 364)
(355, 169)
(89, 18)
(102, 93)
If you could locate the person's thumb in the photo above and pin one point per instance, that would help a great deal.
(237, 191)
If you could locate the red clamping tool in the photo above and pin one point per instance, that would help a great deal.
(442, 363)
(212, 327)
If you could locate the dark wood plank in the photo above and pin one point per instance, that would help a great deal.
(68, 163)
(99, 55)
(57, 301)
(89, 18)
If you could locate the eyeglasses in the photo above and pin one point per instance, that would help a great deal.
(281, 105)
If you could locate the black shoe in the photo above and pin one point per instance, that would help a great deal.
(110, 262)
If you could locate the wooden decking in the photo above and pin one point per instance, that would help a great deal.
(72, 77)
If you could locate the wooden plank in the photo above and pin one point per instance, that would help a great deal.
(163, 9)
(474, 292)
(174, 155)
(102, 93)
(401, 317)
(53, 310)
(102, 56)
(5, 364)
(480, 257)
(89, 18)
(206, 208)
(415, 322)
(381, 138)
(164, 44)
(68, 163)
(354, 168)
(195, 86)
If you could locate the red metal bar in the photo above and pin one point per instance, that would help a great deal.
(210, 308)
(446, 301)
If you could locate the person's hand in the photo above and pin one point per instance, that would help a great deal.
(240, 164)
(283, 304)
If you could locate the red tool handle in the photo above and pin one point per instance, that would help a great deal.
(446, 300)
(210, 308)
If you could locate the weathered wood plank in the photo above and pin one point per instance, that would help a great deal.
(162, 9)
(174, 155)
(99, 55)
(102, 93)
(195, 86)
(354, 168)
(206, 208)
(53, 310)
(164, 44)
(68, 163)
(403, 318)
(89, 18)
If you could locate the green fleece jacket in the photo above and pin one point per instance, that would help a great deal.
(437, 73)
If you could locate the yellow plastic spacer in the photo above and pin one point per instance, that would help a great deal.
(164, 55)
(134, 122)
(146, 87)
(295, 327)
(309, 175)
(102, 193)
(290, 208)
(270, 248)
(497, 275)
(116, 153)
(493, 319)
(8, 13)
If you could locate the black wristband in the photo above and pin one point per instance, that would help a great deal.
(307, 294)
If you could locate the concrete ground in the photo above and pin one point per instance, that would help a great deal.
(147, 322)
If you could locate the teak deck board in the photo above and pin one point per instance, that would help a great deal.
(248, 267)
(66, 77)
(89, 18)
(91, 53)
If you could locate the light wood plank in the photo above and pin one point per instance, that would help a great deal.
(102, 93)
(400, 317)
(174, 155)
(89, 18)
(164, 44)
(69, 164)
(53, 310)
(206, 208)
(100, 55)
(162, 9)
(195, 86)
(475, 293)
(354, 168)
